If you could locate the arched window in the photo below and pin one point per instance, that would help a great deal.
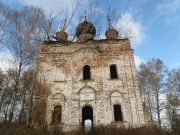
(86, 72)
(117, 113)
(113, 72)
(56, 114)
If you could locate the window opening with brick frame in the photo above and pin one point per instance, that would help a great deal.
(117, 113)
(86, 72)
(56, 114)
(113, 72)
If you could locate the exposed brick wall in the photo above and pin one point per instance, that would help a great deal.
(62, 68)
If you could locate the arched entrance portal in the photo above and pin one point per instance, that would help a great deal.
(87, 114)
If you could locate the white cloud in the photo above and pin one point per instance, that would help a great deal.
(169, 11)
(138, 60)
(55, 7)
(52, 6)
(131, 29)
(5, 61)
(168, 6)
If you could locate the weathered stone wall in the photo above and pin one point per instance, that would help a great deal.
(62, 68)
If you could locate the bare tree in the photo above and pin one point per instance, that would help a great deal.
(154, 72)
(145, 89)
(92, 14)
(23, 42)
(27, 30)
(173, 83)
(49, 22)
(66, 24)
(7, 94)
(173, 108)
(173, 99)
(2, 76)
(48, 25)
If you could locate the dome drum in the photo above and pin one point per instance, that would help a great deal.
(111, 34)
(85, 37)
(61, 36)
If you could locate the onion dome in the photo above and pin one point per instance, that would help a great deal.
(61, 36)
(86, 28)
(111, 34)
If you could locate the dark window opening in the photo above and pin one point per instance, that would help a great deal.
(86, 72)
(56, 114)
(113, 72)
(117, 113)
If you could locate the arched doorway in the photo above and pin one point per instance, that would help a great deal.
(56, 114)
(87, 114)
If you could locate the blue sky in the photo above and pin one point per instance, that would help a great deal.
(155, 24)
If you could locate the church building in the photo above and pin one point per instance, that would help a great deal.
(90, 79)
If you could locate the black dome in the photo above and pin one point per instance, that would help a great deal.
(85, 28)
